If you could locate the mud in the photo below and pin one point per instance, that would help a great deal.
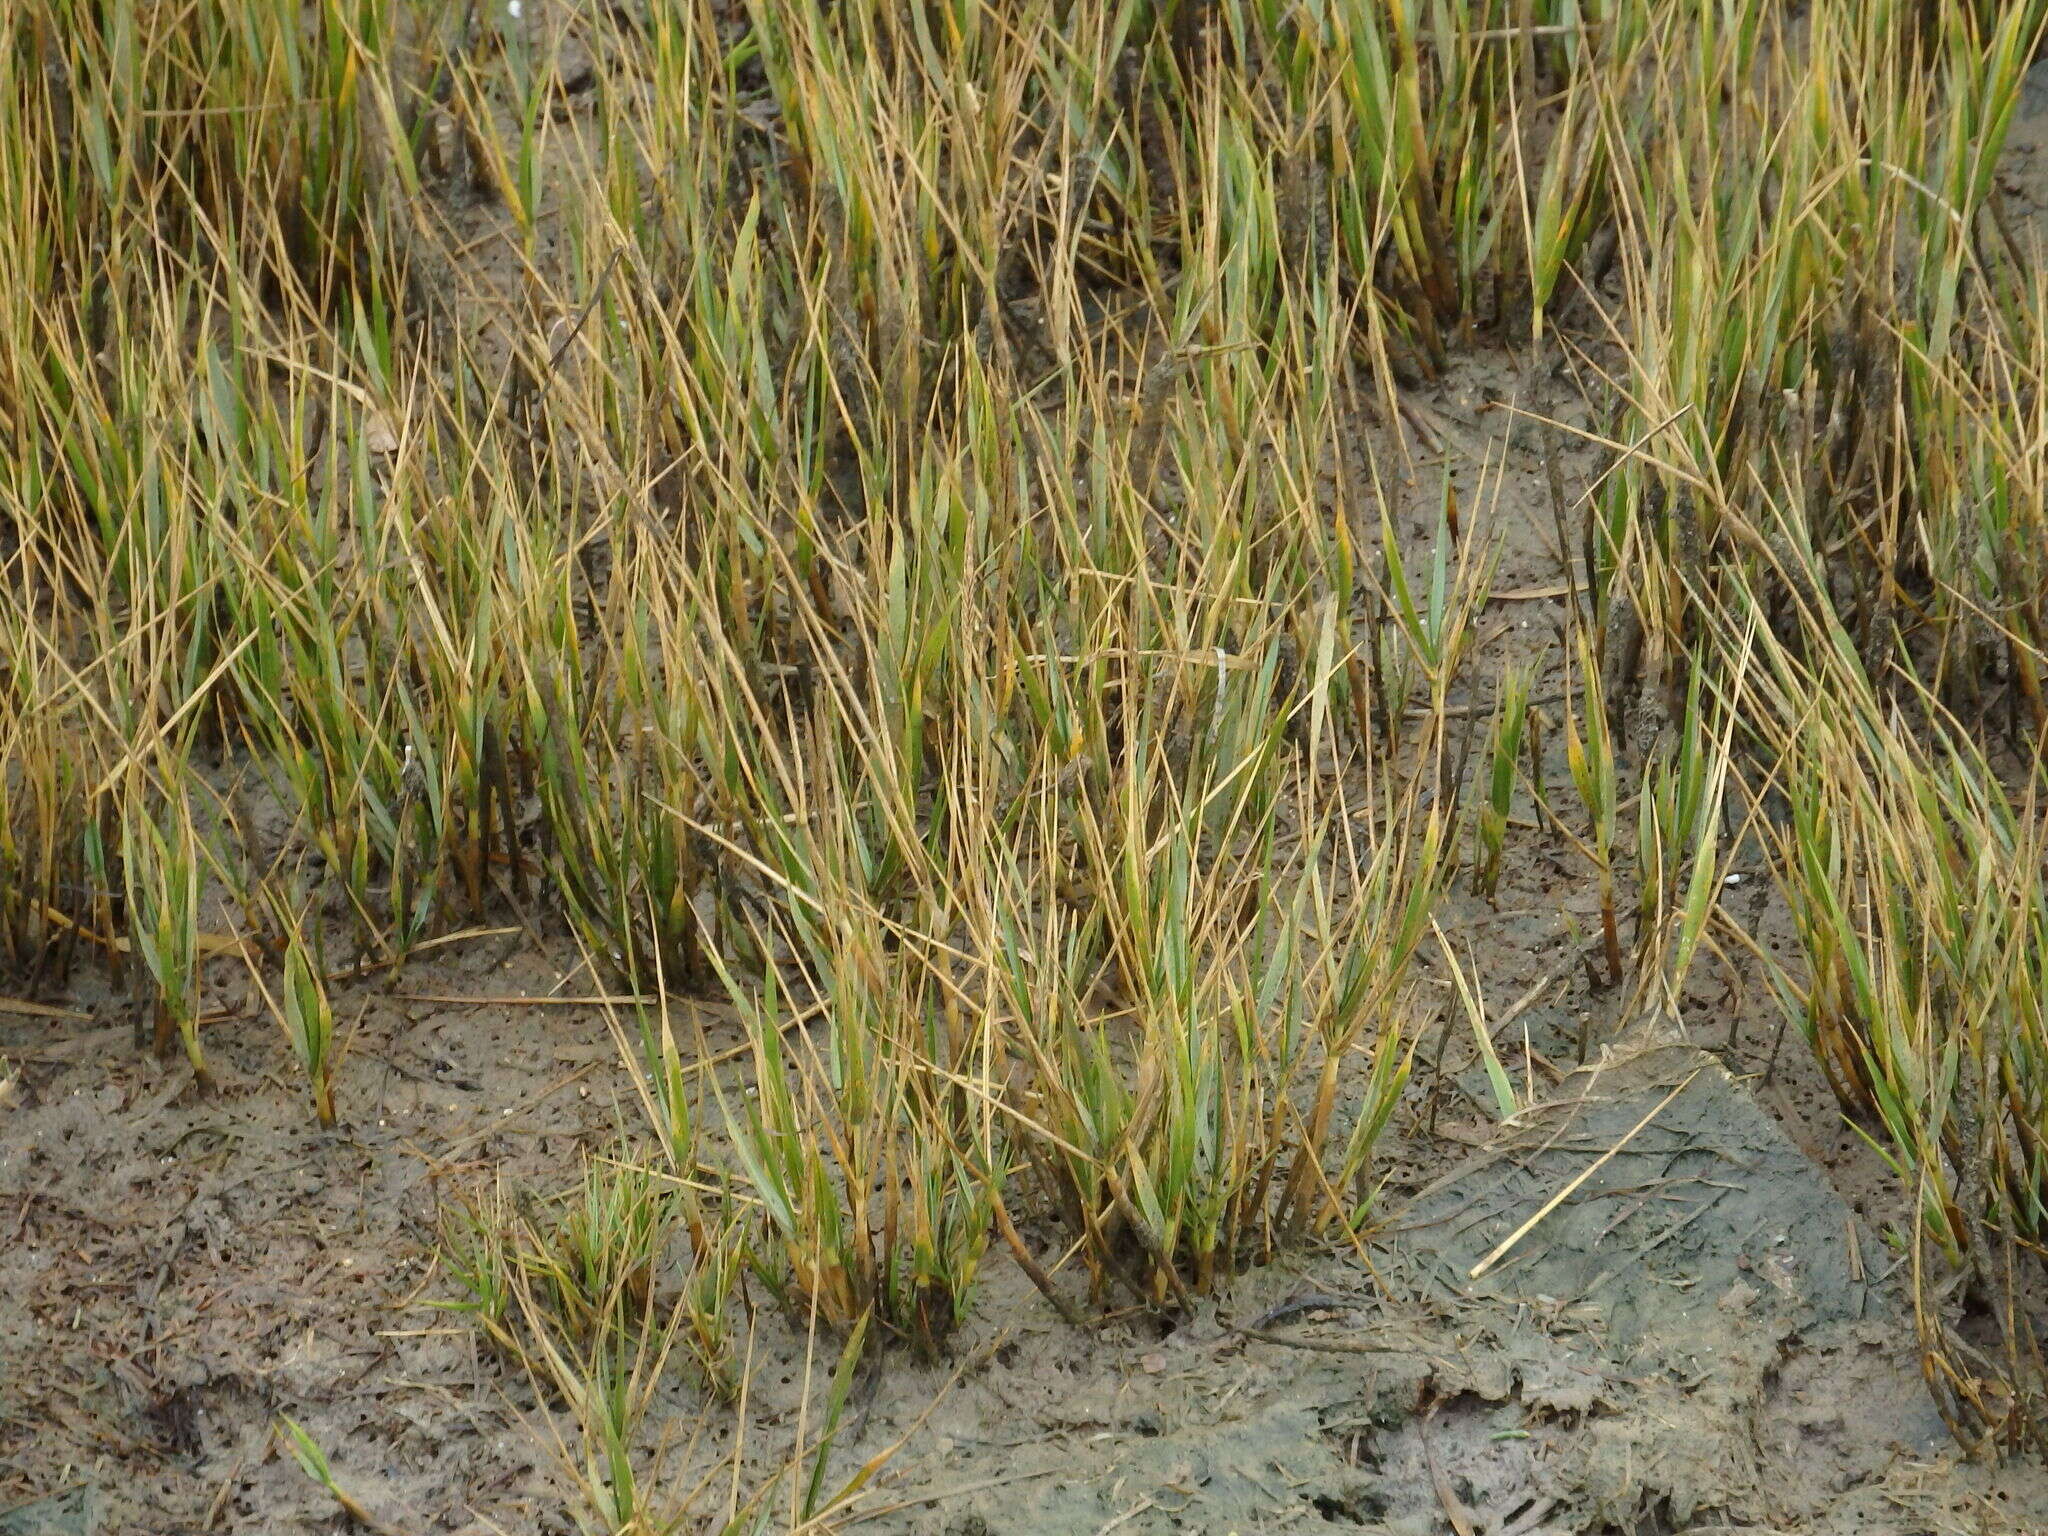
(1700, 1337)
(1707, 1334)
(177, 1268)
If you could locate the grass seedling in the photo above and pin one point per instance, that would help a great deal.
(1504, 750)
(1591, 760)
(477, 1252)
(1678, 836)
(306, 1013)
(312, 1461)
(1505, 1102)
(160, 855)
(1437, 621)
(606, 1250)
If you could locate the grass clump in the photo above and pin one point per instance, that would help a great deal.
(624, 1263)
(1813, 529)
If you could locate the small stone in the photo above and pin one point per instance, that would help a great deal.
(1738, 1297)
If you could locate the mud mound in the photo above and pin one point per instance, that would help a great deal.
(1665, 1280)
(1676, 1326)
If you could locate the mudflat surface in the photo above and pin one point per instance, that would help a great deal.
(1691, 1340)
(177, 1268)
(1702, 1334)
(1705, 1333)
